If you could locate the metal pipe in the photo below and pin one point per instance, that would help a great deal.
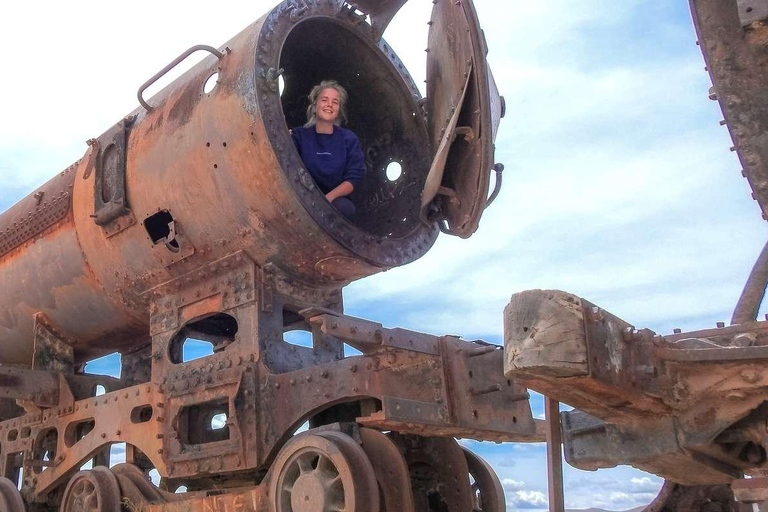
(754, 290)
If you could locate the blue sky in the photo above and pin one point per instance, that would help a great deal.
(619, 185)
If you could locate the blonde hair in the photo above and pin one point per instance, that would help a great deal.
(315, 94)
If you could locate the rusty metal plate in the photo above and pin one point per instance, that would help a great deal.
(35, 213)
(459, 108)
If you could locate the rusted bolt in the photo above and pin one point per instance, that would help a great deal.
(353, 368)
(324, 374)
(103, 436)
(159, 436)
(118, 432)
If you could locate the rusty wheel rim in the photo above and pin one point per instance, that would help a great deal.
(391, 471)
(314, 473)
(486, 489)
(96, 490)
(10, 497)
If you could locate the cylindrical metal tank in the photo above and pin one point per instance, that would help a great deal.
(206, 168)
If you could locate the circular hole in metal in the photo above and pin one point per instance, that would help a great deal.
(218, 421)
(394, 171)
(211, 83)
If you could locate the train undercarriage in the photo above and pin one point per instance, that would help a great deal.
(380, 424)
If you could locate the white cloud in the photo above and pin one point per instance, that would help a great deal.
(526, 500)
(645, 485)
(511, 485)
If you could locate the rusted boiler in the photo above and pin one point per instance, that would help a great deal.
(194, 219)
(206, 168)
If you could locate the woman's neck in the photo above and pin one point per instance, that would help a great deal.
(324, 127)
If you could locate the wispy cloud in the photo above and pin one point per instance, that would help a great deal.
(619, 184)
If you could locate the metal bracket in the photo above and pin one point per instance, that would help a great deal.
(109, 195)
(231, 280)
(51, 351)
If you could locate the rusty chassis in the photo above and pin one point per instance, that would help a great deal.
(403, 381)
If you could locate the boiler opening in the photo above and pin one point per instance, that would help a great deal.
(381, 110)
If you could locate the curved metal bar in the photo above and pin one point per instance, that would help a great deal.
(172, 65)
(754, 291)
(499, 168)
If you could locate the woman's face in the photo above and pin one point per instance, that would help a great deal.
(328, 104)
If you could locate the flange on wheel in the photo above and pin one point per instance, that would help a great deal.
(10, 497)
(486, 488)
(326, 472)
(95, 490)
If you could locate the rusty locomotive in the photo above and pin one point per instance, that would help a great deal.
(248, 251)
(251, 251)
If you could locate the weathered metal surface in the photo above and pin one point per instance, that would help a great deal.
(193, 219)
(262, 386)
(462, 123)
(37, 212)
(738, 65)
(133, 228)
(685, 406)
(10, 497)
(51, 351)
(487, 490)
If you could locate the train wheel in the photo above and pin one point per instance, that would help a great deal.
(95, 490)
(439, 473)
(486, 489)
(326, 472)
(391, 471)
(10, 497)
(696, 498)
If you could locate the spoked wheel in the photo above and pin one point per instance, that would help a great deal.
(486, 489)
(10, 497)
(326, 472)
(391, 471)
(95, 490)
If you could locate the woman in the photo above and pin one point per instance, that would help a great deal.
(331, 154)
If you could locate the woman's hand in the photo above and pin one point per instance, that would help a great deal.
(342, 190)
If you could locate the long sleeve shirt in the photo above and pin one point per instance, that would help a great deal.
(331, 159)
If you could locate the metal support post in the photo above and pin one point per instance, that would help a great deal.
(554, 455)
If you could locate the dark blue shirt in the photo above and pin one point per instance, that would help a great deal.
(331, 159)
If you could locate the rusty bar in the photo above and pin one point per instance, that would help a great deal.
(173, 64)
(554, 455)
